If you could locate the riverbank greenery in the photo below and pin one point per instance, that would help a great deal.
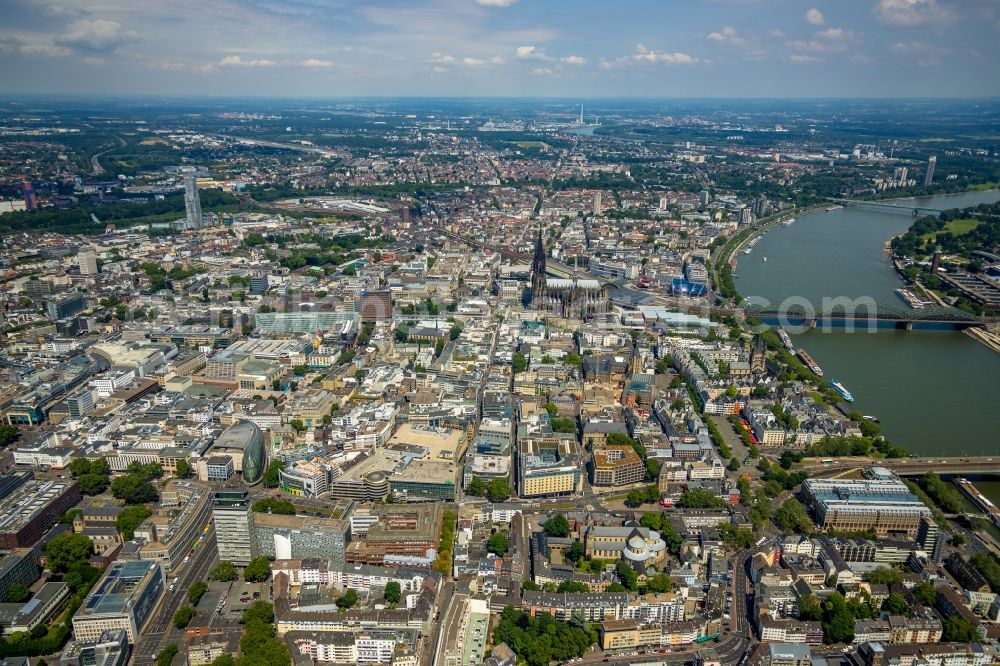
(955, 231)
(943, 493)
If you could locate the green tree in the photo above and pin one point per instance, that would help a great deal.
(183, 469)
(498, 490)
(658, 584)
(576, 552)
(552, 409)
(224, 571)
(348, 599)
(572, 586)
(224, 660)
(130, 518)
(809, 608)
(791, 516)
(280, 507)
(895, 604)
(92, 484)
(497, 544)
(734, 464)
(196, 592)
(271, 477)
(298, 425)
(627, 575)
(556, 526)
(183, 616)
(258, 570)
(958, 630)
(166, 656)
(8, 434)
(18, 593)
(925, 593)
(65, 550)
(393, 593)
(477, 488)
(884, 576)
(519, 363)
(701, 498)
(564, 425)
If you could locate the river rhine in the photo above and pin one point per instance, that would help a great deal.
(936, 392)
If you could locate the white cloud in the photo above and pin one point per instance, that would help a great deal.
(531, 53)
(910, 12)
(97, 35)
(835, 33)
(93, 60)
(801, 59)
(316, 64)
(237, 61)
(644, 55)
(497, 60)
(472, 62)
(541, 71)
(495, 3)
(830, 40)
(44, 50)
(438, 58)
(727, 35)
(573, 60)
(166, 66)
(815, 17)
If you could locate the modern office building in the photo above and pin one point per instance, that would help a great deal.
(617, 466)
(259, 284)
(885, 506)
(124, 598)
(109, 649)
(169, 534)
(303, 322)
(192, 202)
(234, 526)
(929, 176)
(548, 466)
(65, 306)
(29, 511)
(243, 443)
(301, 537)
(425, 481)
(87, 261)
(18, 566)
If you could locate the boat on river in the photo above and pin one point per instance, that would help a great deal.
(842, 390)
(785, 340)
(810, 363)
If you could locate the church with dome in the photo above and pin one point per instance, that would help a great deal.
(573, 298)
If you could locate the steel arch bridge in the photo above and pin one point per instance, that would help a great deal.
(860, 313)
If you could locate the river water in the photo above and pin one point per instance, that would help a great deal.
(936, 392)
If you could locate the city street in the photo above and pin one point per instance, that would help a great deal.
(161, 631)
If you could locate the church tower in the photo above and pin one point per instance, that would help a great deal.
(538, 267)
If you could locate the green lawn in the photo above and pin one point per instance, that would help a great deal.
(956, 227)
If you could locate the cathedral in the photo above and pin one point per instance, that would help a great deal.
(572, 298)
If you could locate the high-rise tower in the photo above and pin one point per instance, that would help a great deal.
(192, 202)
(929, 176)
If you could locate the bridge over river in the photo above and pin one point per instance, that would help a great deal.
(868, 316)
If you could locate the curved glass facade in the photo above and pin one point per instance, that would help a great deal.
(247, 436)
(253, 457)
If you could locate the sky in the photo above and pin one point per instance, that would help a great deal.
(559, 48)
